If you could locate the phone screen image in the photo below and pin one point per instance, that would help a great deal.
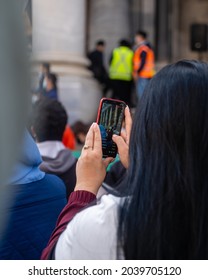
(110, 122)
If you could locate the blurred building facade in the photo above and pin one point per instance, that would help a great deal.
(64, 31)
(168, 23)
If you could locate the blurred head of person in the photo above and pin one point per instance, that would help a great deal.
(124, 43)
(100, 45)
(168, 178)
(140, 37)
(49, 119)
(45, 68)
(51, 81)
(80, 131)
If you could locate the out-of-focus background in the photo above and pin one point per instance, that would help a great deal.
(61, 46)
(62, 33)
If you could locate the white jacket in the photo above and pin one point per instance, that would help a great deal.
(92, 234)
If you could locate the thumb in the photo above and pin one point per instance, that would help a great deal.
(107, 161)
(119, 142)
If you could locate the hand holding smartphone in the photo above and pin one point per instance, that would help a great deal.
(110, 118)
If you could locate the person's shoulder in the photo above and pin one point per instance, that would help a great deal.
(109, 202)
(102, 213)
(117, 49)
(130, 50)
(147, 44)
(93, 231)
(52, 179)
(54, 183)
(49, 188)
(92, 53)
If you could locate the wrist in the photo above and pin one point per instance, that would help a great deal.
(81, 187)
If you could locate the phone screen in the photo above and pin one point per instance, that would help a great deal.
(110, 120)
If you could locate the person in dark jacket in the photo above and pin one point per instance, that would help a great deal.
(97, 66)
(48, 124)
(37, 200)
(51, 87)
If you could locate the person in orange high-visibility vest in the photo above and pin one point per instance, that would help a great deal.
(144, 62)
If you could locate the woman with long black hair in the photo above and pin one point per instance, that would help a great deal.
(163, 211)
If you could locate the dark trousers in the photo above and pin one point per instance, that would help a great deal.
(122, 90)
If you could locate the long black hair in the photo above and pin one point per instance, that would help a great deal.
(167, 215)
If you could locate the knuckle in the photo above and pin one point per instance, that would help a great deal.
(96, 156)
(85, 158)
(120, 140)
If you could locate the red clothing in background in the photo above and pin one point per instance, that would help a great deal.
(69, 140)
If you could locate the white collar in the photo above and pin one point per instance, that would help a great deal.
(50, 148)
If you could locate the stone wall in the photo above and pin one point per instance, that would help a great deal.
(191, 11)
(108, 20)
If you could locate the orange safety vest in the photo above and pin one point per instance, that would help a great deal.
(149, 68)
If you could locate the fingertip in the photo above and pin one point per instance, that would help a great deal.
(112, 160)
(95, 125)
(91, 127)
(108, 160)
(116, 138)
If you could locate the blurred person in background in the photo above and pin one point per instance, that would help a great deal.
(37, 200)
(45, 70)
(40, 91)
(48, 123)
(120, 72)
(161, 212)
(51, 90)
(97, 66)
(80, 130)
(144, 62)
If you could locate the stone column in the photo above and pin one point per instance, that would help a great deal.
(109, 20)
(175, 25)
(163, 31)
(59, 38)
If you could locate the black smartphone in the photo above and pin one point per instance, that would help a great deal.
(110, 118)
